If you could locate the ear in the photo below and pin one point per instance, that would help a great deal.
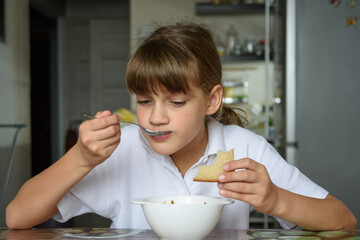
(215, 99)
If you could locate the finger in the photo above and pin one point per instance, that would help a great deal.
(244, 188)
(261, 203)
(89, 137)
(111, 144)
(248, 198)
(104, 122)
(101, 148)
(244, 163)
(106, 133)
(114, 140)
(103, 114)
(243, 175)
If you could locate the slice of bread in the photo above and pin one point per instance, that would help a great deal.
(210, 173)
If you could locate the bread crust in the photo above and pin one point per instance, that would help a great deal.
(210, 173)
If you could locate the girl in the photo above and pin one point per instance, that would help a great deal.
(176, 77)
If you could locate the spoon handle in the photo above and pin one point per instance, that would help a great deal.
(90, 117)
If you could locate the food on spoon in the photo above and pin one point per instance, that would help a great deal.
(210, 173)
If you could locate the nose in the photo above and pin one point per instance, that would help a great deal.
(159, 115)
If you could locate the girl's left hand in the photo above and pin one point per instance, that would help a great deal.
(250, 184)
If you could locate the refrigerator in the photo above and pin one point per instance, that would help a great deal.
(310, 106)
(322, 100)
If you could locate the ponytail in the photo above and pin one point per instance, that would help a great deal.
(231, 115)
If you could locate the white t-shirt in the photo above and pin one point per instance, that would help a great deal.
(134, 170)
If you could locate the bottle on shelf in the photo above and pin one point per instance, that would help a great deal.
(231, 38)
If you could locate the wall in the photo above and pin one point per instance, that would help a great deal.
(328, 114)
(15, 96)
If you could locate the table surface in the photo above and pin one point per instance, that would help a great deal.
(125, 234)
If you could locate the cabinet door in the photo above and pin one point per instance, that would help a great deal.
(93, 56)
(109, 41)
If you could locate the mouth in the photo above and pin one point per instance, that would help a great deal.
(162, 137)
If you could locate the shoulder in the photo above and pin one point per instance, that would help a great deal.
(234, 134)
(244, 142)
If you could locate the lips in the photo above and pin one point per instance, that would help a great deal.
(161, 138)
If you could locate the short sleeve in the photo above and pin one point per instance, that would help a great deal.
(69, 207)
(91, 194)
(288, 177)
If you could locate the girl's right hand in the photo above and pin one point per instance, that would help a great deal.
(38, 198)
(98, 138)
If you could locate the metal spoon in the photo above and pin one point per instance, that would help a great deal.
(147, 131)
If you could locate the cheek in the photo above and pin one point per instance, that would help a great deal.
(190, 119)
(141, 116)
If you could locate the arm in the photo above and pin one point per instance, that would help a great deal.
(315, 214)
(253, 185)
(37, 199)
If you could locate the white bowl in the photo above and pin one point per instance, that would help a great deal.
(182, 216)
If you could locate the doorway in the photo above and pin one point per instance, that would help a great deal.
(42, 30)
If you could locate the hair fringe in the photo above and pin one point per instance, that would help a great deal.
(175, 57)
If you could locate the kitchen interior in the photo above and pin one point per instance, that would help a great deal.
(292, 65)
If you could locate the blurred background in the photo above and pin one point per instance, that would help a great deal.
(292, 65)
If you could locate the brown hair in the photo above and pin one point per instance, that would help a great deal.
(174, 55)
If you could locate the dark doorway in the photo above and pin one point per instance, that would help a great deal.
(2, 21)
(43, 72)
(41, 31)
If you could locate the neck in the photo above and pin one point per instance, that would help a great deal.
(189, 155)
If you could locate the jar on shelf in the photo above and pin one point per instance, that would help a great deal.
(238, 50)
(260, 50)
(220, 46)
(250, 46)
(236, 92)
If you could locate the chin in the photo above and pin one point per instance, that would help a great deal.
(163, 149)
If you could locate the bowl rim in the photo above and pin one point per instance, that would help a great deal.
(145, 200)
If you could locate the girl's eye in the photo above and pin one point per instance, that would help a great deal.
(178, 104)
(143, 102)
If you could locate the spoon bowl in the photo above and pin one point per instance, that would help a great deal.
(147, 131)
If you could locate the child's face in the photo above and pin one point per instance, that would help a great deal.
(182, 114)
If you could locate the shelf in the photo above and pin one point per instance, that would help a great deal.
(209, 8)
(241, 58)
(235, 101)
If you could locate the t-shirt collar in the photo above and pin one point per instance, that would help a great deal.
(216, 139)
(148, 147)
